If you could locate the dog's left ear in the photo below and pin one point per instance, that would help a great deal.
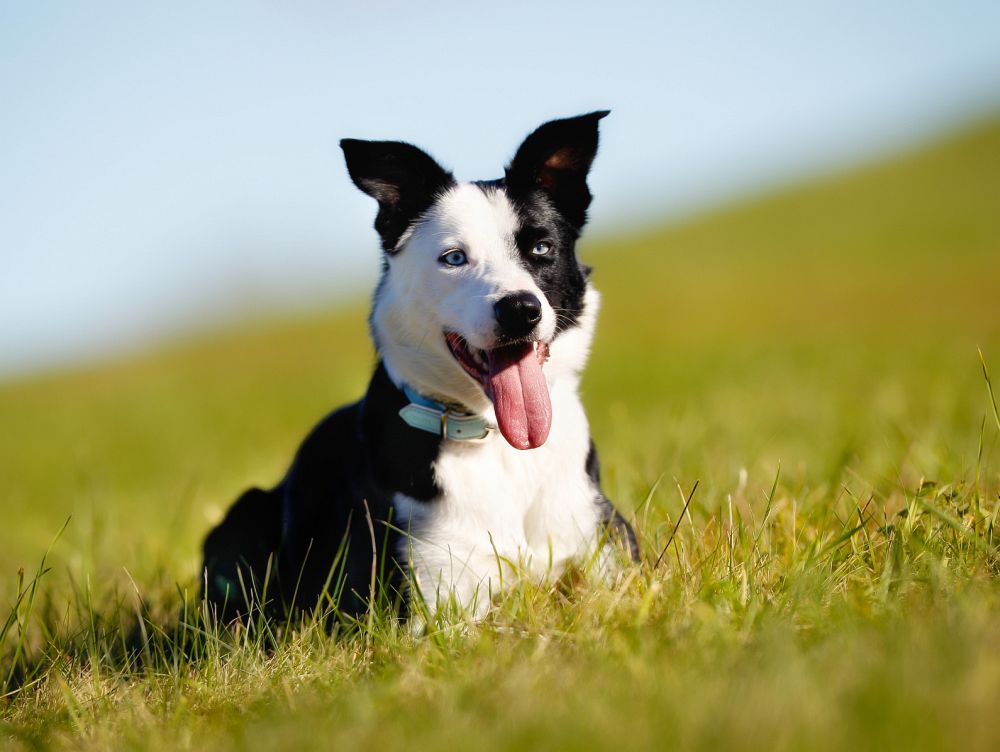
(403, 179)
(557, 158)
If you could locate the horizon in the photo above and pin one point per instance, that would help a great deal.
(200, 183)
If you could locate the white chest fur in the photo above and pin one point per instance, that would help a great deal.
(503, 513)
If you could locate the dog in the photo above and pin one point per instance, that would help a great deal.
(468, 462)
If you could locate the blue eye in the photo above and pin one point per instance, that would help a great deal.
(454, 257)
(541, 248)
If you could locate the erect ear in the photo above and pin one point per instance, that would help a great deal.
(402, 178)
(557, 158)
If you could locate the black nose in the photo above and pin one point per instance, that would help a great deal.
(517, 314)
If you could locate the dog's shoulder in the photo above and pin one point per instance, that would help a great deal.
(361, 454)
(321, 486)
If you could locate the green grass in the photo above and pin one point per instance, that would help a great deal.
(808, 360)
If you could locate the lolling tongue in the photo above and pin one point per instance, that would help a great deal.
(520, 395)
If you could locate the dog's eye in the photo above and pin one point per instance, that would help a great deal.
(541, 248)
(454, 257)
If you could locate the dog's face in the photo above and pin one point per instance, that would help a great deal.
(480, 279)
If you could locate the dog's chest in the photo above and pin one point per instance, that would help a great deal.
(534, 508)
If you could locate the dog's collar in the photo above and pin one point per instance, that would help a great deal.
(425, 414)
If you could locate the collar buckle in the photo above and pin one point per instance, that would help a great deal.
(433, 417)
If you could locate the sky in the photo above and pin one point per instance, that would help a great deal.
(168, 166)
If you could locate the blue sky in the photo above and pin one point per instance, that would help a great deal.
(164, 166)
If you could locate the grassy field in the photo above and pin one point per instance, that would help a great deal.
(803, 368)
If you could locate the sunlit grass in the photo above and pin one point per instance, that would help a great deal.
(789, 402)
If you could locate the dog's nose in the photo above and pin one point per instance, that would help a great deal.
(517, 314)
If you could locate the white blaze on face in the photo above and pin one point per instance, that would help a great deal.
(422, 298)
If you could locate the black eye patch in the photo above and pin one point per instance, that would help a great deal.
(557, 273)
(528, 238)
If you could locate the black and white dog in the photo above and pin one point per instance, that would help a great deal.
(468, 462)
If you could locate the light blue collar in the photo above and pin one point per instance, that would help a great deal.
(425, 414)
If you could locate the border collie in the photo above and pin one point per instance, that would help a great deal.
(468, 462)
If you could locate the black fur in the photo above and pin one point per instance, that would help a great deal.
(618, 527)
(547, 183)
(555, 159)
(315, 529)
(558, 274)
(403, 179)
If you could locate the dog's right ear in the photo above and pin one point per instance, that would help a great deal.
(402, 178)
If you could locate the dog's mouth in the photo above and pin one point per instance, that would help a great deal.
(511, 375)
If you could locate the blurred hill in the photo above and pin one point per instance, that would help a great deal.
(831, 327)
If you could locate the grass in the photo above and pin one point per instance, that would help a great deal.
(788, 400)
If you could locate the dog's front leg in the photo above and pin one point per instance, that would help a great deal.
(453, 581)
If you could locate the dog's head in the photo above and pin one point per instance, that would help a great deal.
(481, 286)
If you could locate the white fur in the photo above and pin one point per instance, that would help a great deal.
(421, 297)
(505, 512)
(502, 511)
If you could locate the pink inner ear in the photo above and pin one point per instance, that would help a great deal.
(560, 161)
(382, 191)
(564, 159)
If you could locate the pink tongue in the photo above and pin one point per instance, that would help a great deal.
(520, 395)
